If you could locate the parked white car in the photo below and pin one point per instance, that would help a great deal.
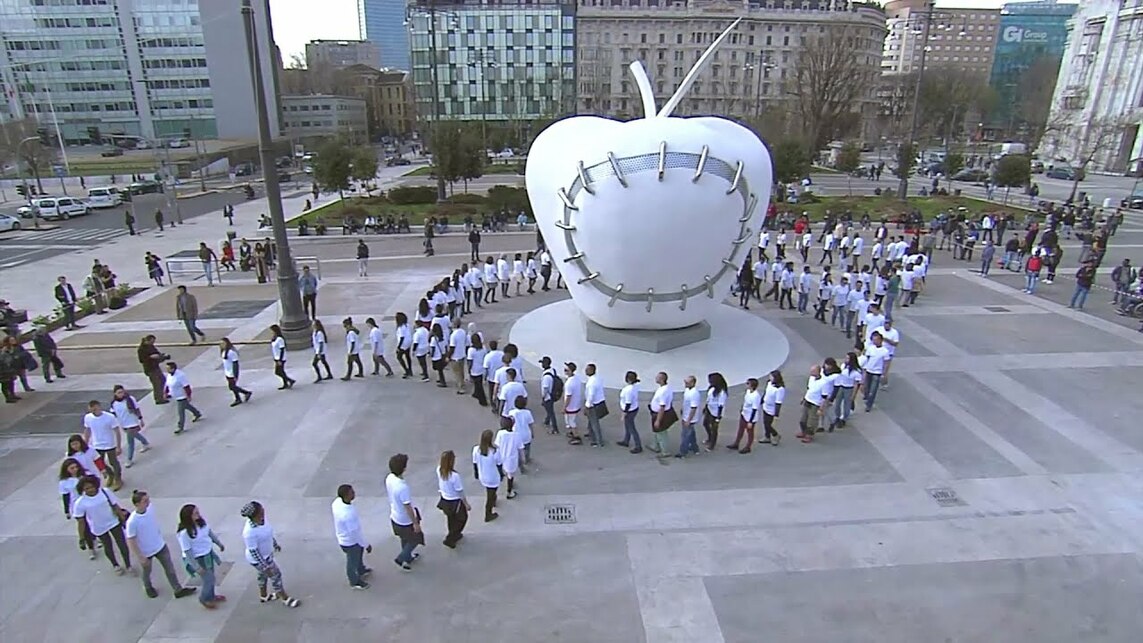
(9, 222)
(54, 208)
(178, 142)
(107, 197)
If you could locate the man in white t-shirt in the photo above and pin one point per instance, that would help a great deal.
(507, 394)
(873, 362)
(421, 350)
(661, 403)
(813, 404)
(145, 539)
(594, 405)
(573, 401)
(351, 539)
(458, 347)
(874, 319)
(101, 432)
(689, 416)
(891, 338)
(405, 518)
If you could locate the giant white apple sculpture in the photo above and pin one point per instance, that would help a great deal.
(649, 220)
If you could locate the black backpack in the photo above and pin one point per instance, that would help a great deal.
(557, 386)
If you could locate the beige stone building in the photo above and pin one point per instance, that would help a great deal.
(388, 93)
(751, 71)
(958, 38)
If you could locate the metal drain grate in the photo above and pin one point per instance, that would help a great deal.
(560, 514)
(945, 497)
(997, 309)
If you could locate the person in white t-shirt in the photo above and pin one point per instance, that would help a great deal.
(145, 539)
(261, 546)
(874, 319)
(102, 431)
(403, 515)
(126, 410)
(404, 344)
(278, 353)
(522, 421)
(629, 407)
(490, 281)
(573, 401)
(716, 394)
(475, 356)
(662, 408)
(486, 468)
(503, 275)
(595, 405)
(689, 416)
(99, 509)
(377, 348)
(453, 503)
(507, 394)
(178, 388)
(511, 451)
(231, 370)
(891, 337)
(748, 418)
(813, 404)
(71, 473)
(320, 341)
(197, 543)
(873, 361)
(772, 398)
(458, 352)
(350, 537)
(493, 361)
(420, 348)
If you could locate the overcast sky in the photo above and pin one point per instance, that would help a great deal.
(296, 22)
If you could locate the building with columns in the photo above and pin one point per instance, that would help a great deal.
(750, 71)
(1098, 102)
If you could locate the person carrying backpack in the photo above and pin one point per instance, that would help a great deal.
(552, 389)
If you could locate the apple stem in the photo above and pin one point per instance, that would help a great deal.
(691, 76)
(645, 91)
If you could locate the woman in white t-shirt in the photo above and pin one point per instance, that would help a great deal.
(748, 419)
(231, 370)
(518, 271)
(847, 383)
(320, 341)
(278, 352)
(126, 410)
(453, 503)
(629, 407)
(87, 456)
(772, 399)
(258, 538)
(71, 472)
(438, 353)
(98, 510)
(352, 350)
(490, 280)
(476, 283)
(486, 469)
(377, 348)
(715, 405)
(475, 356)
(420, 346)
(531, 272)
(424, 315)
(197, 543)
(404, 344)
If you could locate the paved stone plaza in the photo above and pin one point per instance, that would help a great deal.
(991, 496)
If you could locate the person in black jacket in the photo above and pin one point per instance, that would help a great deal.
(65, 294)
(48, 353)
(151, 359)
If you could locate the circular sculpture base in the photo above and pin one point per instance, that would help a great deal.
(741, 345)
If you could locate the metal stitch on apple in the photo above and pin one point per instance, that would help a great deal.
(614, 296)
(637, 164)
(564, 197)
(650, 298)
(683, 303)
(583, 179)
(701, 163)
(663, 159)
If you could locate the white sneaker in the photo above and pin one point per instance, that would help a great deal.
(146, 448)
(129, 464)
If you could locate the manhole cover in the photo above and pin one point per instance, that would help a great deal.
(945, 497)
(997, 309)
(236, 309)
(62, 415)
(560, 514)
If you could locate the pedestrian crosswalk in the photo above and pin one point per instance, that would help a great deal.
(67, 236)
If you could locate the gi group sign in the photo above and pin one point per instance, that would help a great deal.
(1018, 35)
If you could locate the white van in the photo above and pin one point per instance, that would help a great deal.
(59, 208)
(104, 197)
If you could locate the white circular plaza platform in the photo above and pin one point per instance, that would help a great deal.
(741, 346)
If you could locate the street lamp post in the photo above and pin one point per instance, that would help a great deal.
(481, 63)
(294, 322)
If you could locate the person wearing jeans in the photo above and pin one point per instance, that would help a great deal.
(1085, 277)
(847, 380)
(308, 285)
(186, 309)
(594, 405)
(547, 396)
(873, 363)
(178, 388)
(629, 406)
(347, 527)
(197, 543)
(103, 432)
(145, 539)
(99, 510)
(692, 402)
(126, 410)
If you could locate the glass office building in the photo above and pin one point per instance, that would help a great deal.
(132, 67)
(510, 61)
(1029, 32)
(382, 22)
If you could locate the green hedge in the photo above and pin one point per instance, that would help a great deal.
(407, 195)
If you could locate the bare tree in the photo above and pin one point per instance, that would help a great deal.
(1081, 140)
(947, 95)
(31, 156)
(828, 84)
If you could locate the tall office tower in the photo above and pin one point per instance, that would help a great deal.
(382, 22)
